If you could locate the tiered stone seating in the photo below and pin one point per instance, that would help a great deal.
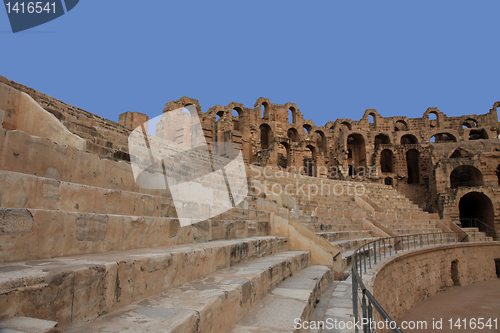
(80, 240)
(349, 214)
(84, 247)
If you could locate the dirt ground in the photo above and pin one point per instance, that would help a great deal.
(471, 302)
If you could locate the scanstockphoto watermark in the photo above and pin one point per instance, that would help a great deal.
(297, 185)
(330, 172)
(331, 323)
(25, 15)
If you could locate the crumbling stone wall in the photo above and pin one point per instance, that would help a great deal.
(418, 155)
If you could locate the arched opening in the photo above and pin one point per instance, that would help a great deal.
(293, 134)
(409, 139)
(382, 139)
(291, 115)
(345, 126)
(460, 153)
(466, 175)
(264, 107)
(265, 136)
(442, 138)
(478, 134)
(218, 116)
(321, 141)
(498, 174)
(307, 128)
(386, 161)
(309, 161)
(236, 118)
(356, 144)
(400, 126)
(433, 119)
(469, 123)
(476, 205)
(413, 166)
(372, 121)
(283, 155)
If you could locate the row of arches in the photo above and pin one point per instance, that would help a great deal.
(355, 141)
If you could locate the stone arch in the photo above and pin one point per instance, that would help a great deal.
(442, 138)
(293, 134)
(356, 144)
(413, 166)
(321, 140)
(292, 115)
(309, 161)
(345, 125)
(307, 128)
(264, 107)
(284, 154)
(387, 161)
(219, 115)
(236, 113)
(433, 118)
(382, 139)
(477, 134)
(372, 120)
(409, 139)
(469, 123)
(266, 136)
(466, 175)
(477, 205)
(400, 125)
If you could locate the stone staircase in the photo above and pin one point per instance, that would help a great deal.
(345, 213)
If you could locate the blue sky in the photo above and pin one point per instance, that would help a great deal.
(335, 59)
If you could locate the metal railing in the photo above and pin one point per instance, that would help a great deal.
(480, 225)
(373, 253)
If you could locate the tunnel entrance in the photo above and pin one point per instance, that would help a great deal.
(476, 210)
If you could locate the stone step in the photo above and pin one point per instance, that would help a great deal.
(213, 303)
(58, 233)
(411, 231)
(28, 325)
(77, 289)
(329, 220)
(36, 192)
(328, 227)
(345, 235)
(294, 298)
(352, 244)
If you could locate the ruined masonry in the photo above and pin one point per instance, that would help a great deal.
(84, 249)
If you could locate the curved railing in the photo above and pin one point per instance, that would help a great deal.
(374, 252)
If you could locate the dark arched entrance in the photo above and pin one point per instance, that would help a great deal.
(466, 175)
(476, 205)
(413, 166)
(386, 161)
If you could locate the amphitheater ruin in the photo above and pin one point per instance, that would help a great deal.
(84, 248)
